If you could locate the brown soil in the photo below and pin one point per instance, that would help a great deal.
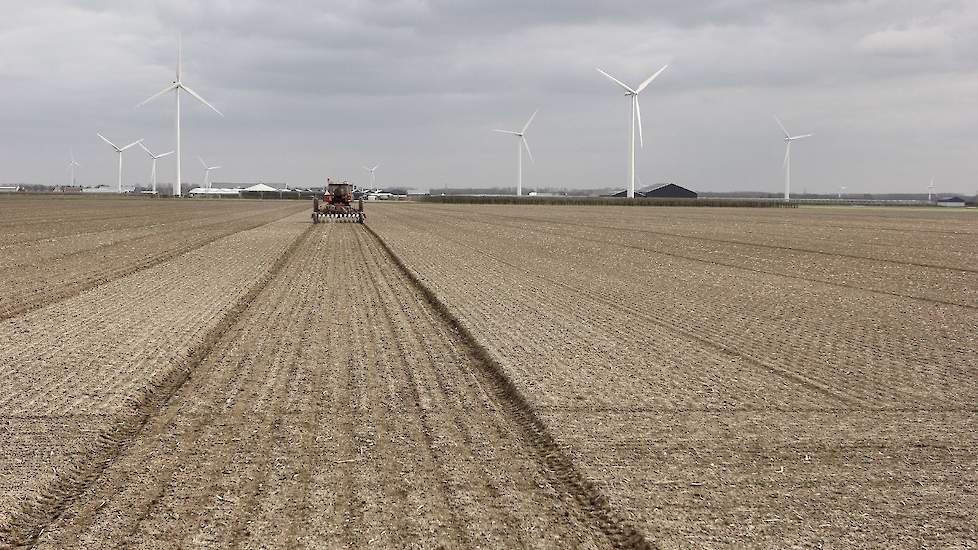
(721, 385)
(224, 373)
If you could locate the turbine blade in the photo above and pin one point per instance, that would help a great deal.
(166, 154)
(148, 152)
(169, 88)
(376, 166)
(106, 140)
(527, 147)
(202, 163)
(802, 136)
(200, 99)
(786, 134)
(527, 125)
(638, 117)
(507, 132)
(616, 81)
(650, 79)
(133, 144)
(213, 167)
(179, 53)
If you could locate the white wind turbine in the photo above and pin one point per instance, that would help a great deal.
(71, 165)
(118, 150)
(175, 87)
(930, 190)
(207, 172)
(520, 145)
(788, 138)
(152, 173)
(842, 189)
(636, 116)
(372, 178)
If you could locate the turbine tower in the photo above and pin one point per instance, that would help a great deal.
(373, 187)
(71, 165)
(118, 150)
(636, 116)
(207, 172)
(155, 158)
(176, 86)
(788, 138)
(520, 145)
(930, 190)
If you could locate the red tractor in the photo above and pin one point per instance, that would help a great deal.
(337, 205)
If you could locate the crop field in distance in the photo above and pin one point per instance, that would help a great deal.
(224, 373)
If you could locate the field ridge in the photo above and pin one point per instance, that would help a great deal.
(27, 524)
(560, 468)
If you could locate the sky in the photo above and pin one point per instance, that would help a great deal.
(311, 89)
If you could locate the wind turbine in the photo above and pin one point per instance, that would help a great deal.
(207, 172)
(372, 170)
(71, 165)
(930, 189)
(175, 87)
(788, 138)
(520, 145)
(118, 150)
(842, 188)
(154, 157)
(636, 116)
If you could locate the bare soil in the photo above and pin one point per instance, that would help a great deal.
(224, 373)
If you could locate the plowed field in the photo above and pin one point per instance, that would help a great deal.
(225, 374)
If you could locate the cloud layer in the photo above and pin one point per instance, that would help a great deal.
(312, 89)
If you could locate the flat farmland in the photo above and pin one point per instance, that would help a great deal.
(225, 373)
(733, 377)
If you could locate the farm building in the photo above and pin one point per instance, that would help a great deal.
(950, 201)
(668, 190)
(9, 188)
(661, 191)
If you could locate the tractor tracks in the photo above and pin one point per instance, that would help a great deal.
(589, 502)
(339, 403)
(16, 305)
(27, 524)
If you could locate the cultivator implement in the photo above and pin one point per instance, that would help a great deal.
(337, 205)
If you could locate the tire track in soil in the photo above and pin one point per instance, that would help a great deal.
(32, 519)
(399, 435)
(52, 296)
(764, 271)
(590, 504)
(722, 241)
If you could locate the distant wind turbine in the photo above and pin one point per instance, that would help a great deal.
(72, 163)
(788, 138)
(207, 172)
(930, 190)
(372, 178)
(842, 189)
(636, 117)
(118, 150)
(520, 145)
(175, 87)
(152, 173)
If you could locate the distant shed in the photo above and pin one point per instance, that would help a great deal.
(668, 191)
(660, 191)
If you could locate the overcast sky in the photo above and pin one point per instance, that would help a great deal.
(317, 88)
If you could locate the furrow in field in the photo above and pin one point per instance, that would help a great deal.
(340, 410)
(717, 407)
(98, 388)
(29, 287)
(904, 364)
(952, 285)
